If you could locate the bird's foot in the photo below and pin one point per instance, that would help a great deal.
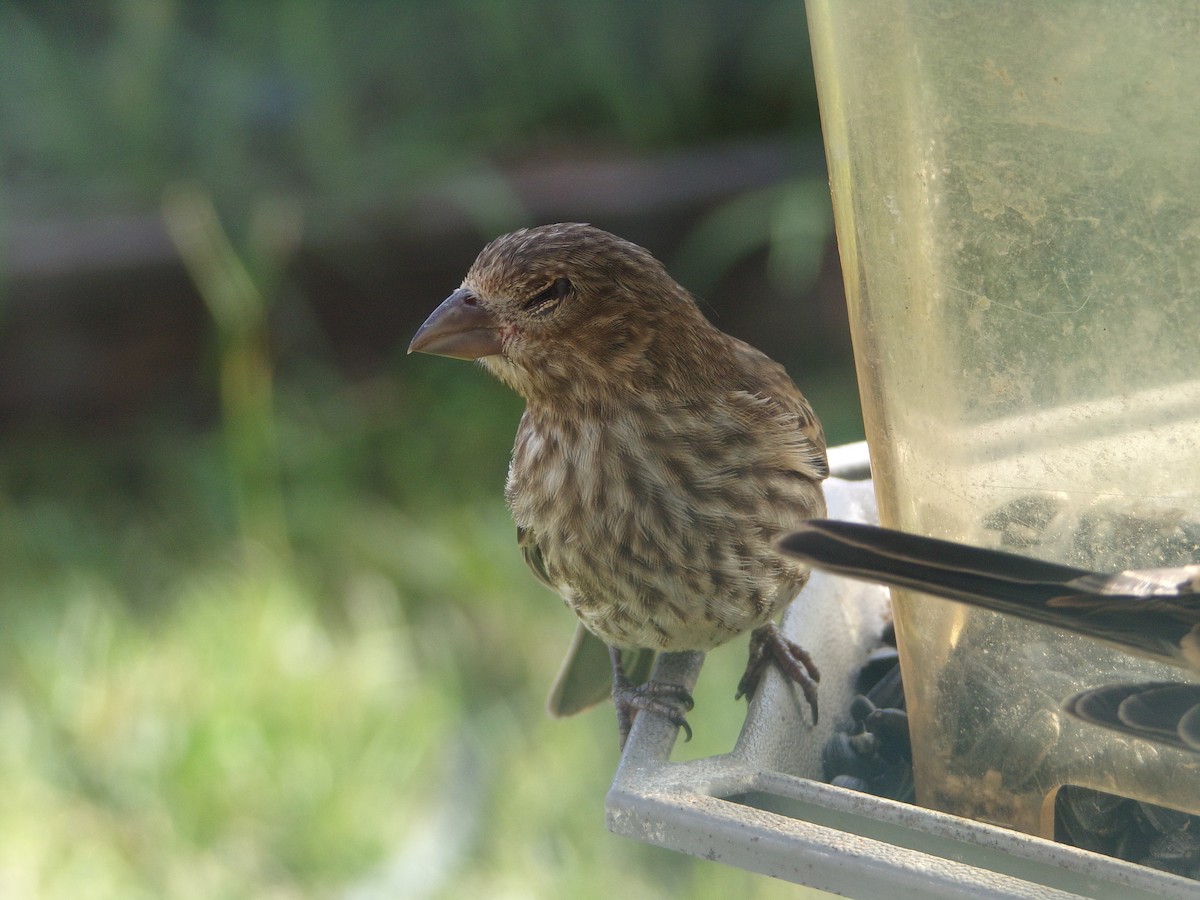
(768, 644)
(673, 701)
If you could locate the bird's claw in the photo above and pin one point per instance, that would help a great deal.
(768, 644)
(672, 701)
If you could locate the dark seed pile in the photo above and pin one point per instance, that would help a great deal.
(875, 756)
(1142, 833)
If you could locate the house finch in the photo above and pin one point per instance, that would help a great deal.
(657, 457)
(1151, 612)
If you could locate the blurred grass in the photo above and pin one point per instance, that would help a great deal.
(297, 654)
(187, 714)
(341, 697)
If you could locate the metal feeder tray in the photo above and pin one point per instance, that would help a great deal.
(763, 808)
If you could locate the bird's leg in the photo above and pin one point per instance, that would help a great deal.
(767, 643)
(670, 700)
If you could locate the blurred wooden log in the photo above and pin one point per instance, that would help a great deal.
(100, 322)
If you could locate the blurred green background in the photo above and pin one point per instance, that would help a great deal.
(264, 630)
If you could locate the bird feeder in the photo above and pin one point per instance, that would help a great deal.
(1018, 212)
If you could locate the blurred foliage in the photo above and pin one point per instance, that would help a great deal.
(791, 219)
(111, 101)
(187, 714)
(298, 654)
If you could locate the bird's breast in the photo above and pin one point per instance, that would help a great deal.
(655, 525)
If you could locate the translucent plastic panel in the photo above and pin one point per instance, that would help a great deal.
(1017, 195)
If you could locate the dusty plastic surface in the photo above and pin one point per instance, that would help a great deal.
(761, 806)
(1018, 208)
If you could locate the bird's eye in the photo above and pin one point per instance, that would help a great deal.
(546, 300)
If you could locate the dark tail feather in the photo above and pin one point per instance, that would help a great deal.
(1060, 596)
(1165, 712)
(989, 578)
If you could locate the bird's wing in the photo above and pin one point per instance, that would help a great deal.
(532, 554)
(585, 677)
(767, 380)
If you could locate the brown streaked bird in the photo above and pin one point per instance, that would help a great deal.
(1153, 613)
(656, 461)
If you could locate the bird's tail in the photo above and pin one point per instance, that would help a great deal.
(1165, 712)
(1155, 623)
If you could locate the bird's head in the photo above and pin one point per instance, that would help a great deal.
(554, 309)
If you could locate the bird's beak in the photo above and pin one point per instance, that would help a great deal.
(460, 328)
